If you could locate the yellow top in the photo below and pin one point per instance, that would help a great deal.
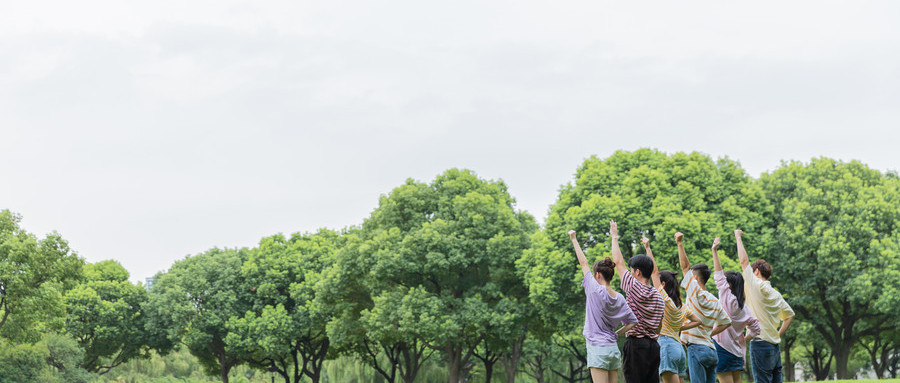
(674, 317)
(767, 305)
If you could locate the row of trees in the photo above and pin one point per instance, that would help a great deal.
(451, 272)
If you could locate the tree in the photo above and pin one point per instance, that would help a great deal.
(835, 249)
(882, 348)
(285, 328)
(192, 302)
(33, 274)
(23, 363)
(104, 314)
(648, 193)
(353, 329)
(439, 259)
(65, 356)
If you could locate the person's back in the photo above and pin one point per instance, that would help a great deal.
(604, 312)
(702, 356)
(740, 314)
(640, 355)
(770, 309)
(730, 344)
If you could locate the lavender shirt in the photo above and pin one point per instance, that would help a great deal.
(603, 313)
(740, 319)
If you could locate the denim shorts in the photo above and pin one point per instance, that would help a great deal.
(727, 361)
(604, 357)
(672, 357)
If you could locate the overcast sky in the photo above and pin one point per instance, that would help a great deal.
(147, 131)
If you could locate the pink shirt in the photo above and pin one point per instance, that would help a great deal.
(740, 319)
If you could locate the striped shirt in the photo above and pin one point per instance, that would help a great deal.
(674, 317)
(707, 308)
(647, 306)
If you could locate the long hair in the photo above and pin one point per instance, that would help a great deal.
(736, 280)
(671, 288)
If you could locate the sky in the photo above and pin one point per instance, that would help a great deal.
(145, 131)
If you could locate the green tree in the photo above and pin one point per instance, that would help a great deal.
(285, 329)
(104, 314)
(33, 274)
(65, 356)
(439, 259)
(836, 249)
(192, 302)
(353, 329)
(23, 363)
(648, 193)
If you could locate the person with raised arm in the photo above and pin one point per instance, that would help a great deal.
(730, 344)
(702, 358)
(640, 355)
(672, 358)
(604, 310)
(770, 308)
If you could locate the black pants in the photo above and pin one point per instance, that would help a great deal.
(640, 360)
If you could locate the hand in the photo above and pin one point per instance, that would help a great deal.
(742, 339)
(678, 237)
(715, 244)
(613, 229)
(572, 234)
(738, 233)
(646, 242)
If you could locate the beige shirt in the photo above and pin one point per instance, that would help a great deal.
(767, 306)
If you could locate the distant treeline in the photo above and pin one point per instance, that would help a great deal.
(449, 275)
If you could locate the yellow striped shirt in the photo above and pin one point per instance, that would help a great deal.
(674, 317)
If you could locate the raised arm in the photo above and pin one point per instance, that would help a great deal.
(682, 255)
(742, 253)
(616, 251)
(655, 276)
(717, 266)
(582, 260)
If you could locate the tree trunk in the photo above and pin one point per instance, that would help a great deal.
(510, 359)
(488, 371)
(224, 373)
(788, 368)
(841, 358)
(454, 364)
(818, 363)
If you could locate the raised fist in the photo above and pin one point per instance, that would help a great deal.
(646, 242)
(678, 237)
(715, 243)
(571, 234)
(738, 233)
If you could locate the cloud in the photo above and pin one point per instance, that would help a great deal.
(148, 131)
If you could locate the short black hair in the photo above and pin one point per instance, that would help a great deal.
(642, 263)
(701, 270)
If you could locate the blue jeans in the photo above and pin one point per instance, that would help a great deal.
(765, 360)
(702, 362)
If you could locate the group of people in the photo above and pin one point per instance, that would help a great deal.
(659, 325)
